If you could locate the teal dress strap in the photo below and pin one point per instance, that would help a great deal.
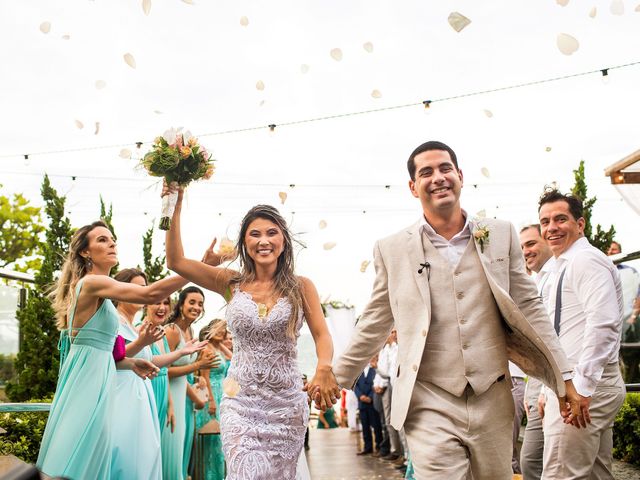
(64, 343)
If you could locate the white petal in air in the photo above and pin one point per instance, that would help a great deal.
(283, 196)
(481, 214)
(364, 265)
(458, 21)
(129, 60)
(563, 3)
(157, 112)
(336, 54)
(638, 8)
(304, 68)
(376, 94)
(244, 21)
(188, 2)
(125, 153)
(322, 224)
(547, 149)
(146, 6)
(368, 47)
(329, 245)
(617, 7)
(593, 12)
(100, 84)
(485, 172)
(97, 130)
(79, 124)
(488, 113)
(45, 27)
(260, 85)
(567, 44)
(66, 37)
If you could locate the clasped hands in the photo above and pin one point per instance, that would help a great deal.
(323, 388)
(574, 408)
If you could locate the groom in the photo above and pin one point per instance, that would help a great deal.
(457, 293)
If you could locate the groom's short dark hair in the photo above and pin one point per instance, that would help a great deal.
(425, 147)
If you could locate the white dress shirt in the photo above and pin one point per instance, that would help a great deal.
(387, 364)
(453, 249)
(591, 319)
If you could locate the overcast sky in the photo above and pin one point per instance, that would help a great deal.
(197, 66)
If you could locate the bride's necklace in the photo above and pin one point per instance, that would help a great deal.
(262, 310)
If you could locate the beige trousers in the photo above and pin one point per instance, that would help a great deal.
(571, 453)
(452, 438)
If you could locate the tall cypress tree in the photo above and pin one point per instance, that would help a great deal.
(107, 216)
(601, 239)
(37, 362)
(153, 266)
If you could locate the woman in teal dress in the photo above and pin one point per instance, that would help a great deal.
(212, 455)
(77, 441)
(188, 309)
(327, 419)
(136, 451)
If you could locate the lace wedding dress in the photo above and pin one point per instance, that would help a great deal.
(263, 426)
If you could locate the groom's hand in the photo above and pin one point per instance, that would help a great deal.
(574, 408)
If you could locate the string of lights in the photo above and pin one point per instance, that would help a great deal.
(427, 103)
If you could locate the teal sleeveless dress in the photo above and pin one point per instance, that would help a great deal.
(160, 386)
(136, 431)
(212, 455)
(173, 443)
(77, 439)
(190, 430)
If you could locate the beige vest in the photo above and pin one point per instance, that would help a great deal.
(466, 340)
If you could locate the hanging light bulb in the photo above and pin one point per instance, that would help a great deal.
(272, 129)
(605, 76)
(427, 106)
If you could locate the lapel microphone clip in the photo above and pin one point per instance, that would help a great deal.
(424, 265)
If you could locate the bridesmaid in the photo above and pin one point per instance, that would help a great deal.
(157, 315)
(178, 330)
(213, 457)
(136, 452)
(77, 441)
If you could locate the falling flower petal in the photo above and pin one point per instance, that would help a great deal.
(226, 246)
(79, 124)
(244, 21)
(322, 224)
(567, 44)
(329, 245)
(304, 68)
(563, 3)
(283, 196)
(547, 149)
(364, 265)
(188, 2)
(593, 12)
(488, 113)
(45, 27)
(368, 47)
(157, 112)
(376, 94)
(481, 214)
(638, 8)
(146, 6)
(261, 104)
(125, 153)
(97, 130)
(260, 85)
(617, 7)
(129, 60)
(100, 84)
(336, 54)
(485, 172)
(458, 21)
(66, 37)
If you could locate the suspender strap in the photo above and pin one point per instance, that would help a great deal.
(558, 310)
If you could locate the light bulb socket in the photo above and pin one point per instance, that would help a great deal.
(605, 72)
(426, 103)
(272, 127)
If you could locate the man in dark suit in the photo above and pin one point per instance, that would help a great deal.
(369, 417)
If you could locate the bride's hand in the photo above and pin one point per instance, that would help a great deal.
(323, 388)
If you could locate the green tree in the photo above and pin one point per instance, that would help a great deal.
(37, 362)
(601, 239)
(20, 233)
(153, 266)
(107, 216)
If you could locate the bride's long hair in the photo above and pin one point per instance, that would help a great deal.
(286, 283)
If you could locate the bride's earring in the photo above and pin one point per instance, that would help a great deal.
(89, 263)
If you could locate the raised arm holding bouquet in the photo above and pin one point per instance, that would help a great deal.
(179, 159)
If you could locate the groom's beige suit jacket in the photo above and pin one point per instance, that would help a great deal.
(401, 299)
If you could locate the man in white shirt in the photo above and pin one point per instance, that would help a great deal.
(585, 302)
(387, 361)
(630, 280)
(538, 258)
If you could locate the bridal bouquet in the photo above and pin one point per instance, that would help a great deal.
(177, 157)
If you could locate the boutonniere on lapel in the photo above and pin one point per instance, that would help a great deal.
(481, 235)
